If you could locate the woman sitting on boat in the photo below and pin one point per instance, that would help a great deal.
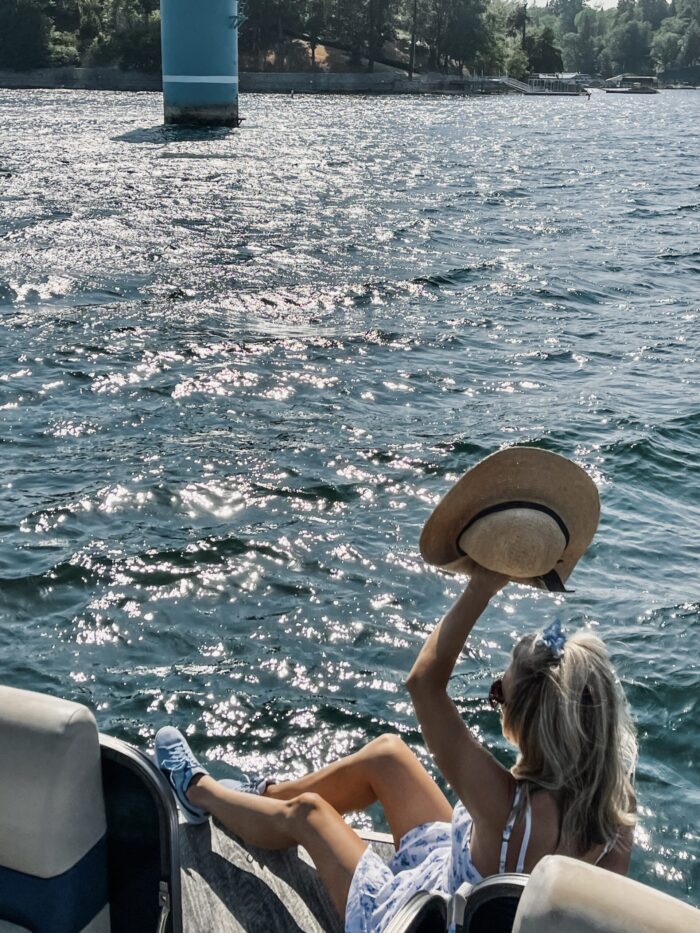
(561, 705)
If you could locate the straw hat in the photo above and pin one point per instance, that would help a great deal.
(523, 511)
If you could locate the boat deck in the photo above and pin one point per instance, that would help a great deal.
(230, 888)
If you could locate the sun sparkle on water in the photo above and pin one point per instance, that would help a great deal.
(238, 370)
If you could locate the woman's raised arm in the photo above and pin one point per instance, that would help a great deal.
(483, 785)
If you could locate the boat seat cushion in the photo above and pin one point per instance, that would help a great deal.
(567, 894)
(53, 855)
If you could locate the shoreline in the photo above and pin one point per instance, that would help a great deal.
(112, 79)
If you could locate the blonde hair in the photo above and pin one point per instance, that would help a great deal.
(572, 725)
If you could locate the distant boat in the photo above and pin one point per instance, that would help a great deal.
(632, 89)
(631, 84)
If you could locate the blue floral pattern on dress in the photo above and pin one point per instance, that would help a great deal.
(432, 857)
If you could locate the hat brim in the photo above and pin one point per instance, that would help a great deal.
(517, 474)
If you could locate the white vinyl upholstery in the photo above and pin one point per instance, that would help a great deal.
(53, 847)
(565, 894)
(51, 805)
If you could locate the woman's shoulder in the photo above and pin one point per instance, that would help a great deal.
(545, 817)
(545, 804)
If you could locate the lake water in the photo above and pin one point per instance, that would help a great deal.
(238, 369)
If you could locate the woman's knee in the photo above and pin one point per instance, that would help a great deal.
(388, 745)
(302, 809)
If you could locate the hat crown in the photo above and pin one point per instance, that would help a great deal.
(464, 528)
(520, 542)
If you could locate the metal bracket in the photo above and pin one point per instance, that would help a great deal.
(164, 904)
(240, 18)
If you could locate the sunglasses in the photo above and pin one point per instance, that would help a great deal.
(496, 697)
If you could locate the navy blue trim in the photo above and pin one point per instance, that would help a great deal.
(63, 904)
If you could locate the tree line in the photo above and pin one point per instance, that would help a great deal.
(453, 36)
(641, 36)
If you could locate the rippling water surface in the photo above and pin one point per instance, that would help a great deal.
(238, 369)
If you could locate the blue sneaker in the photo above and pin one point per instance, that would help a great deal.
(250, 785)
(176, 760)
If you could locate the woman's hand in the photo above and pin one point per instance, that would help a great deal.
(486, 582)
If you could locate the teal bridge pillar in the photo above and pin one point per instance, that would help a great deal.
(200, 61)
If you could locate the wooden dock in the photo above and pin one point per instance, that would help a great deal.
(230, 888)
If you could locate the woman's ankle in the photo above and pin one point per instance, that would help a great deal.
(197, 788)
(280, 790)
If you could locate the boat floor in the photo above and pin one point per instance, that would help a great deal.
(228, 887)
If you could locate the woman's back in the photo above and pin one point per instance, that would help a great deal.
(531, 832)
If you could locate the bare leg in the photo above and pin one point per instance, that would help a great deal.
(385, 770)
(306, 820)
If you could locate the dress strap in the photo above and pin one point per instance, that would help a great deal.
(609, 845)
(520, 867)
(505, 838)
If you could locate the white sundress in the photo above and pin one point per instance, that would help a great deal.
(432, 857)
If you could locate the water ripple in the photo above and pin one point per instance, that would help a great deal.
(238, 369)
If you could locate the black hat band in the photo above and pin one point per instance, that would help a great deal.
(551, 580)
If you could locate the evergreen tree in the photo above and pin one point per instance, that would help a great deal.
(64, 14)
(566, 11)
(350, 26)
(316, 23)
(580, 49)
(25, 32)
(690, 48)
(516, 23)
(450, 35)
(468, 33)
(380, 18)
(543, 55)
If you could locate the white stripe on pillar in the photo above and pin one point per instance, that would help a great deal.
(202, 79)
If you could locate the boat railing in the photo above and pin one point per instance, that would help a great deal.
(541, 86)
(514, 83)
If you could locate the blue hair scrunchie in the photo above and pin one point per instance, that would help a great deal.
(553, 638)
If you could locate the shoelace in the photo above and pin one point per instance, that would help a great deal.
(180, 759)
